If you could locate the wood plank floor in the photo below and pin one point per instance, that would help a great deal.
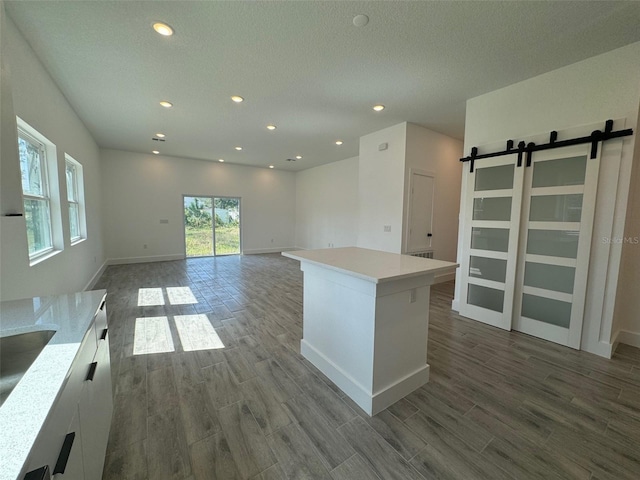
(212, 386)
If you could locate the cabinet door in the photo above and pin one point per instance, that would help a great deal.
(493, 201)
(69, 465)
(96, 407)
(100, 319)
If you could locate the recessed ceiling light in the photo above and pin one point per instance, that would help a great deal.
(163, 29)
(238, 148)
(221, 160)
(271, 127)
(338, 142)
(378, 108)
(360, 20)
(166, 104)
(237, 98)
(160, 135)
(298, 157)
(155, 152)
(270, 166)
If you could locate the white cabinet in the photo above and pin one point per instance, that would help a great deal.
(95, 407)
(71, 457)
(74, 438)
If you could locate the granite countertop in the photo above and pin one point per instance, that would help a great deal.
(372, 265)
(23, 413)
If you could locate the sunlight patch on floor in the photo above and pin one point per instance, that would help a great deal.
(181, 296)
(152, 335)
(197, 333)
(150, 297)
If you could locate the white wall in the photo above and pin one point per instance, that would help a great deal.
(626, 324)
(39, 102)
(381, 189)
(327, 205)
(440, 155)
(588, 92)
(11, 192)
(141, 189)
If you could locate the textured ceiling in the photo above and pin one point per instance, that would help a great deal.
(301, 65)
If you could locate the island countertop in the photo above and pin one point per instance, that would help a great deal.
(372, 265)
(25, 410)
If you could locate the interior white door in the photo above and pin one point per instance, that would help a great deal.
(488, 265)
(553, 259)
(421, 212)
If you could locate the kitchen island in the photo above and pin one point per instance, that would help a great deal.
(365, 320)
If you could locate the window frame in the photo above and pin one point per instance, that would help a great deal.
(46, 191)
(78, 201)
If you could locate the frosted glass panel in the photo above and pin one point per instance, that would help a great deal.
(495, 239)
(488, 268)
(549, 277)
(555, 243)
(564, 171)
(485, 297)
(492, 208)
(546, 310)
(556, 208)
(494, 178)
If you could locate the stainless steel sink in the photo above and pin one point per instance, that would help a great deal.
(17, 353)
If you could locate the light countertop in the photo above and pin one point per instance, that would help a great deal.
(25, 410)
(372, 265)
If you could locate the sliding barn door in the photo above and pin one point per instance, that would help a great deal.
(488, 267)
(555, 242)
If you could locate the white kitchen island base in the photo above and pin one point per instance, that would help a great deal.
(366, 316)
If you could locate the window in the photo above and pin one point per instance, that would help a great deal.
(35, 190)
(75, 197)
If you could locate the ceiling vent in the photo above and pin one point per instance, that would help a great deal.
(156, 139)
(291, 159)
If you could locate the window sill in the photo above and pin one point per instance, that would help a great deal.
(76, 242)
(41, 258)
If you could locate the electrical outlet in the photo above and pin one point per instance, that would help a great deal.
(144, 246)
(387, 228)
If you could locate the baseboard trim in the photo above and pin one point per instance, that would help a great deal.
(258, 251)
(628, 338)
(92, 282)
(371, 403)
(149, 259)
(602, 349)
(455, 305)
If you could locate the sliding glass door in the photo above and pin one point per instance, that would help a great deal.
(211, 226)
(227, 226)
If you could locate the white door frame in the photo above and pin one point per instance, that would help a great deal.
(412, 173)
